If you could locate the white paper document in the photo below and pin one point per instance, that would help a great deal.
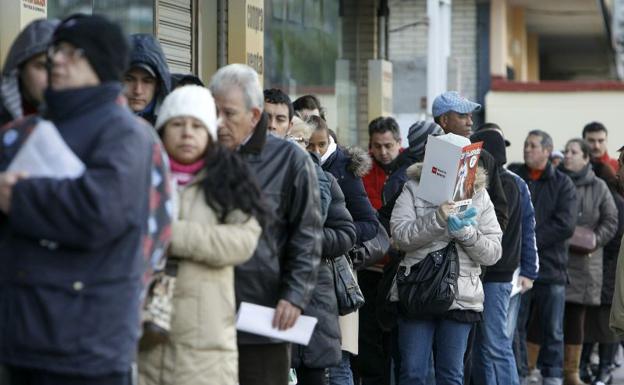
(515, 285)
(45, 154)
(258, 320)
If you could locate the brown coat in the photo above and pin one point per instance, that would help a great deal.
(202, 348)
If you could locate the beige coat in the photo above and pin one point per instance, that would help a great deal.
(616, 321)
(202, 348)
(418, 230)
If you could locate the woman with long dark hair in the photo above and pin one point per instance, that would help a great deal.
(220, 215)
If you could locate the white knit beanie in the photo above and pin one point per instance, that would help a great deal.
(194, 101)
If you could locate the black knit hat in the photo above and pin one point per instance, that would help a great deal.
(104, 43)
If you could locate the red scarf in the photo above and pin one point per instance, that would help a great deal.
(535, 174)
(184, 173)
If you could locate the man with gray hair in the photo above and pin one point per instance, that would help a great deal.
(554, 199)
(282, 272)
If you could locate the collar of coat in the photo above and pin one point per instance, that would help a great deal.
(255, 144)
(415, 171)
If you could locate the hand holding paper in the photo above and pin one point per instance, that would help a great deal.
(258, 320)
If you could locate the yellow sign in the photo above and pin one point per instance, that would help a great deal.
(246, 34)
(379, 88)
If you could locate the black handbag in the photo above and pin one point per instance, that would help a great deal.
(348, 293)
(372, 251)
(429, 287)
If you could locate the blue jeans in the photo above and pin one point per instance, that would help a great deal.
(341, 374)
(548, 303)
(493, 360)
(416, 340)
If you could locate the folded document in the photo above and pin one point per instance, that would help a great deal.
(258, 320)
(45, 154)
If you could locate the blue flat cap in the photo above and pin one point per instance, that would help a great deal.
(453, 101)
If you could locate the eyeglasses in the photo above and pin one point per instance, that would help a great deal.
(299, 139)
(66, 50)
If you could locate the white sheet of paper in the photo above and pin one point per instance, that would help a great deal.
(258, 320)
(45, 154)
(515, 287)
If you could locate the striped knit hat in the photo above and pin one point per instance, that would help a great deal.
(418, 134)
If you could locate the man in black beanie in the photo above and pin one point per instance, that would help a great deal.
(72, 250)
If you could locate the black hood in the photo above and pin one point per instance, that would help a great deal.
(147, 50)
(33, 40)
(494, 143)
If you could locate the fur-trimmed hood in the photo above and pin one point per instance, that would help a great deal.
(361, 162)
(481, 181)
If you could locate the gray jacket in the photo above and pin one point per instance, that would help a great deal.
(33, 40)
(418, 230)
(597, 211)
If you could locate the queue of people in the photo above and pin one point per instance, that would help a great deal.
(237, 194)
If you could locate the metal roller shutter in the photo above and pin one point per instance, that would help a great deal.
(175, 33)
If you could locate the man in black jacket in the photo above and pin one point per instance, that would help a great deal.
(494, 361)
(554, 198)
(282, 272)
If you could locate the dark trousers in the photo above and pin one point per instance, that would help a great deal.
(547, 304)
(265, 364)
(25, 376)
(373, 361)
(308, 376)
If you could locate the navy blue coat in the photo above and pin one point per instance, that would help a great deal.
(339, 164)
(72, 256)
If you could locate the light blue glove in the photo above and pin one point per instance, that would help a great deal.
(469, 216)
(455, 224)
(461, 226)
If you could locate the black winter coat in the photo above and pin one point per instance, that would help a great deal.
(503, 270)
(348, 169)
(72, 262)
(147, 50)
(324, 349)
(556, 210)
(286, 261)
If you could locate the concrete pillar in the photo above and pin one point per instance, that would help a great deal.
(498, 38)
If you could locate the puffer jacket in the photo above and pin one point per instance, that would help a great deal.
(285, 263)
(33, 40)
(418, 230)
(596, 211)
(338, 237)
(147, 50)
(202, 345)
(348, 165)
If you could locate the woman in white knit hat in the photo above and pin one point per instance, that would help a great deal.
(219, 222)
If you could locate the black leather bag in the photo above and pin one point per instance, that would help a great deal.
(372, 251)
(348, 292)
(429, 287)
